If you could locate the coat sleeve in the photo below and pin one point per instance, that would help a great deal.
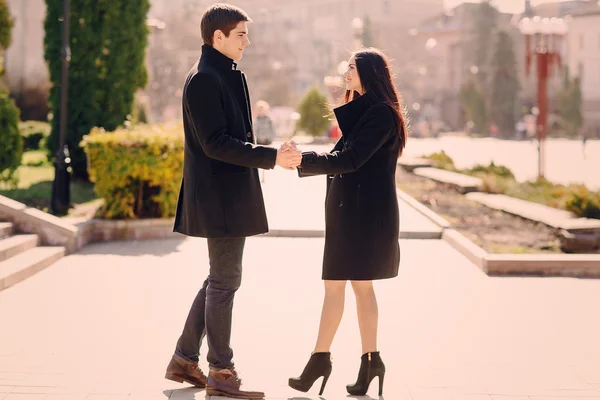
(375, 132)
(204, 99)
(339, 145)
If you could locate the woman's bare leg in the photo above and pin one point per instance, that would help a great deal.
(331, 315)
(368, 314)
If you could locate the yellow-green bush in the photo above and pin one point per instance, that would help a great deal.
(34, 134)
(584, 203)
(137, 171)
(492, 169)
(441, 160)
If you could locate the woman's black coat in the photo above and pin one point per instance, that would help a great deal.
(361, 207)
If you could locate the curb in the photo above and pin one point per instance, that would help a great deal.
(567, 265)
(466, 247)
(426, 211)
(493, 264)
(293, 233)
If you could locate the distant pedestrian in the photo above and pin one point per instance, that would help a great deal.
(583, 143)
(263, 124)
(521, 128)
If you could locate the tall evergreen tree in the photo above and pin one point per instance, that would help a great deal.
(569, 105)
(108, 43)
(471, 98)
(483, 19)
(504, 84)
(485, 24)
(6, 24)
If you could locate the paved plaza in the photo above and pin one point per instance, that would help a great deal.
(102, 324)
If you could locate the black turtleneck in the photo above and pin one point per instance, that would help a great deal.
(218, 59)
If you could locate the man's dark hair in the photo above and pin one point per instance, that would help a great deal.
(224, 17)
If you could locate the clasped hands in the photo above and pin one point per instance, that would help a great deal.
(289, 156)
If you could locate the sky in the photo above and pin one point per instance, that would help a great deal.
(509, 6)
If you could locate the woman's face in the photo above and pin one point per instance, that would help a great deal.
(352, 78)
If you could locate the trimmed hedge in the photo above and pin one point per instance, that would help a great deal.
(137, 170)
(34, 134)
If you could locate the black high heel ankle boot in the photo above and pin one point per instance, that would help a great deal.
(371, 366)
(318, 366)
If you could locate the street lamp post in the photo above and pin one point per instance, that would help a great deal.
(545, 35)
(61, 193)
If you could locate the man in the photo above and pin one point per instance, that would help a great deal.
(220, 197)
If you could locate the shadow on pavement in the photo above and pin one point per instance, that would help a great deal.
(183, 394)
(152, 247)
(348, 397)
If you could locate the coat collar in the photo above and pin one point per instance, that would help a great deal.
(350, 113)
(217, 59)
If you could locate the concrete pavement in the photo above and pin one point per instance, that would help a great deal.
(102, 323)
(296, 207)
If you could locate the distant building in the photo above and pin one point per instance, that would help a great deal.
(27, 74)
(440, 63)
(584, 62)
(294, 45)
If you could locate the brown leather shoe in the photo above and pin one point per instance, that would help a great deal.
(225, 382)
(180, 370)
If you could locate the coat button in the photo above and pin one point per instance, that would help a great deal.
(249, 135)
(341, 203)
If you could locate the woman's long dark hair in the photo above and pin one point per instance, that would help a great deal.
(376, 78)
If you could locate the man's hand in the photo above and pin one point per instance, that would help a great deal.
(288, 156)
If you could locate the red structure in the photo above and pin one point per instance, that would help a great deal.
(543, 41)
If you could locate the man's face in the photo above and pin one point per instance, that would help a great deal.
(234, 45)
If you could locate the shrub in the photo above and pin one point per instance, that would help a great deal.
(493, 169)
(6, 25)
(137, 171)
(583, 203)
(539, 191)
(34, 134)
(314, 113)
(11, 149)
(442, 160)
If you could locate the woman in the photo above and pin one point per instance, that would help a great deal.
(263, 125)
(361, 212)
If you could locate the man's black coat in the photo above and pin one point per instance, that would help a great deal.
(220, 192)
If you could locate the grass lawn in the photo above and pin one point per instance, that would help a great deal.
(35, 184)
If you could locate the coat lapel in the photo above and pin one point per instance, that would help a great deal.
(350, 113)
(235, 81)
